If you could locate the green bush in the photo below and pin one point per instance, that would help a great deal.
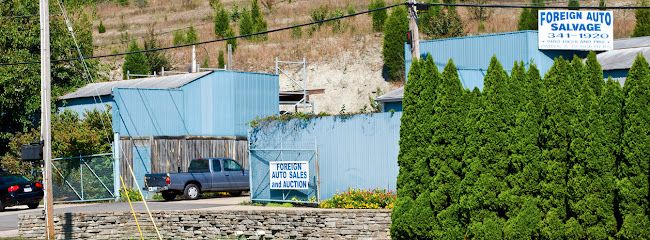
(528, 17)
(132, 194)
(562, 158)
(361, 199)
(135, 63)
(101, 28)
(395, 30)
(642, 27)
(378, 17)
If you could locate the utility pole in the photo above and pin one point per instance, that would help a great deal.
(45, 117)
(415, 32)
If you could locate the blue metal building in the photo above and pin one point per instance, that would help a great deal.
(472, 55)
(161, 123)
(343, 152)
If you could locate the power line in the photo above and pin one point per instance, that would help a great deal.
(426, 5)
(421, 5)
(213, 40)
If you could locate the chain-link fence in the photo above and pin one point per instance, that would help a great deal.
(83, 178)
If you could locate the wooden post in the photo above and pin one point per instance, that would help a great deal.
(45, 117)
(415, 32)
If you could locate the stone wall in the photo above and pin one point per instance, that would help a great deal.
(218, 224)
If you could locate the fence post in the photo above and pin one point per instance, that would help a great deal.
(81, 176)
(116, 166)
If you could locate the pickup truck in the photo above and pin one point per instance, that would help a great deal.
(203, 175)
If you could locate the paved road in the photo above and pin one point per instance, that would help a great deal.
(9, 218)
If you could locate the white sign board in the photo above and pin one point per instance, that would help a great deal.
(576, 30)
(289, 175)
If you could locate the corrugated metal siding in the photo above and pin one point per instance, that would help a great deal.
(81, 105)
(357, 151)
(472, 54)
(148, 112)
(222, 103)
(219, 104)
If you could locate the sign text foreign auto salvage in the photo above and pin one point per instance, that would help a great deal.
(576, 30)
(289, 175)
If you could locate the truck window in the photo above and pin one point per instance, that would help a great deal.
(199, 166)
(230, 165)
(216, 165)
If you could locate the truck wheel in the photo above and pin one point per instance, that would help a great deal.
(33, 205)
(168, 195)
(235, 194)
(192, 192)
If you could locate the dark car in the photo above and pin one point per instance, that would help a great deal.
(18, 190)
(203, 175)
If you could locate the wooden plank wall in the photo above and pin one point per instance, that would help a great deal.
(168, 154)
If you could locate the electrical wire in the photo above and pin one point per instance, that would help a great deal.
(213, 40)
(324, 21)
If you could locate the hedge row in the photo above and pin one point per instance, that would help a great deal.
(566, 157)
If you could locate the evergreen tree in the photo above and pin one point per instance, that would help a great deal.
(394, 39)
(156, 60)
(101, 28)
(442, 22)
(489, 172)
(135, 63)
(221, 62)
(232, 41)
(191, 36)
(259, 23)
(602, 5)
(574, 4)
(447, 147)
(221, 21)
(413, 214)
(246, 23)
(528, 17)
(378, 17)
(594, 74)
(556, 133)
(633, 176)
(642, 27)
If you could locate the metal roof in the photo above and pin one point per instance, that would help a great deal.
(162, 82)
(621, 58)
(392, 96)
(632, 42)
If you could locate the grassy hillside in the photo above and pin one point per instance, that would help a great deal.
(347, 64)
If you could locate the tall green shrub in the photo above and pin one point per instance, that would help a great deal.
(556, 131)
(135, 63)
(192, 36)
(246, 23)
(221, 21)
(634, 167)
(378, 17)
(441, 22)
(413, 214)
(394, 38)
(528, 17)
(574, 4)
(447, 147)
(642, 27)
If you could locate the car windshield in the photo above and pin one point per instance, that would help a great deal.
(199, 165)
(9, 179)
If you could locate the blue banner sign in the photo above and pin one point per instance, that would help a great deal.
(576, 30)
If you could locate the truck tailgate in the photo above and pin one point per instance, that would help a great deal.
(155, 180)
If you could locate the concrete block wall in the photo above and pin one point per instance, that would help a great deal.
(218, 224)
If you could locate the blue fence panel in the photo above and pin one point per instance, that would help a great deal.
(358, 151)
